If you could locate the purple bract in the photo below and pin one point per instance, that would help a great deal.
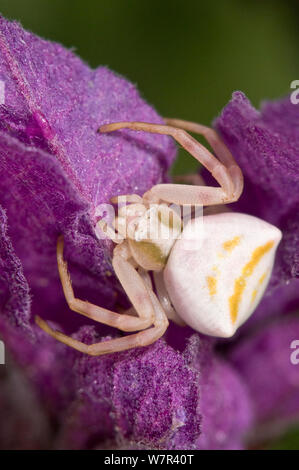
(186, 391)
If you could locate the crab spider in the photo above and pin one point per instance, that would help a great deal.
(210, 274)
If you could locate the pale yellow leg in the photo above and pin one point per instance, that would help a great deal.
(144, 301)
(229, 177)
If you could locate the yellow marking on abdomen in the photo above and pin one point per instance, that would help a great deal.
(255, 291)
(231, 244)
(253, 295)
(240, 283)
(262, 278)
(212, 285)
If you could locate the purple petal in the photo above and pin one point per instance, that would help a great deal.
(224, 402)
(265, 144)
(39, 356)
(24, 423)
(264, 362)
(37, 214)
(14, 289)
(54, 101)
(157, 398)
(147, 396)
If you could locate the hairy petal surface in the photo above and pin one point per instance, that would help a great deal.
(147, 396)
(54, 100)
(14, 289)
(265, 144)
(225, 406)
(269, 366)
(157, 398)
(43, 204)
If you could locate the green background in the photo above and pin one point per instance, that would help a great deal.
(186, 57)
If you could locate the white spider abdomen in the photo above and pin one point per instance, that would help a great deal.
(218, 270)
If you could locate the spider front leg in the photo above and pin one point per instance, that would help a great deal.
(144, 301)
(225, 170)
(220, 149)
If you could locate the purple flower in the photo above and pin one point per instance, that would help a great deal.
(186, 391)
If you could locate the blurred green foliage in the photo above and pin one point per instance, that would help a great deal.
(186, 57)
(288, 441)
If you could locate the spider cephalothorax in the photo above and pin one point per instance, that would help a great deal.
(209, 273)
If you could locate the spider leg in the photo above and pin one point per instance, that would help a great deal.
(143, 338)
(162, 294)
(132, 283)
(220, 149)
(148, 336)
(225, 170)
(165, 300)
